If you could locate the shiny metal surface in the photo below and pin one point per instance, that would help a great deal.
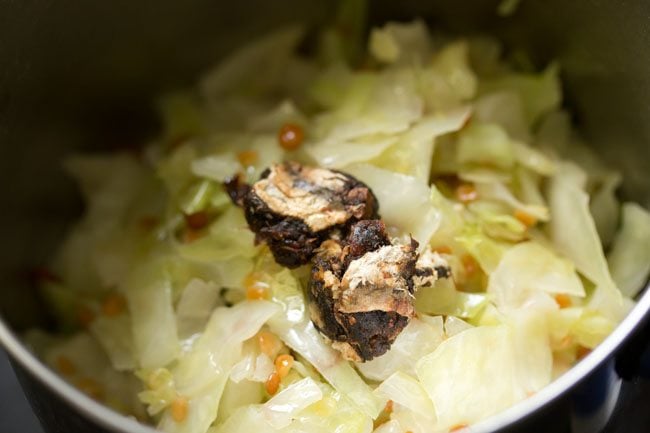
(83, 75)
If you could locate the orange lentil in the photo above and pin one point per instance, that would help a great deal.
(443, 249)
(90, 387)
(562, 300)
(466, 193)
(269, 343)
(247, 157)
(197, 220)
(85, 316)
(255, 288)
(256, 293)
(290, 136)
(179, 409)
(114, 305)
(190, 235)
(527, 219)
(283, 364)
(272, 383)
(471, 267)
(582, 352)
(65, 366)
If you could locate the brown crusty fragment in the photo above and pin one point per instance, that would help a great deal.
(361, 290)
(294, 208)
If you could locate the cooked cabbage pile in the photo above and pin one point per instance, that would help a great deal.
(169, 312)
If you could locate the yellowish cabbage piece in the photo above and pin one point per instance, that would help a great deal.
(574, 234)
(201, 375)
(528, 268)
(629, 259)
(483, 370)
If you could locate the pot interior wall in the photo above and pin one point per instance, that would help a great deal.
(82, 75)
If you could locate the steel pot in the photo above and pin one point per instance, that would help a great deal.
(80, 74)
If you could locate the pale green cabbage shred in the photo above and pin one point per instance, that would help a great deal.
(532, 285)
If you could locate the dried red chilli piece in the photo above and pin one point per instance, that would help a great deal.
(294, 208)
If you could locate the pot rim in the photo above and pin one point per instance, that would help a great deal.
(112, 420)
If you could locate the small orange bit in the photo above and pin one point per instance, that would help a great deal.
(389, 407)
(179, 409)
(443, 249)
(114, 305)
(291, 136)
(565, 342)
(527, 219)
(269, 343)
(65, 366)
(85, 316)
(90, 387)
(247, 157)
(582, 352)
(197, 220)
(562, 300)
(471, 267)
(255, 288)
(466, 193)
(458, 427)
(283, 364)
(190, 235)
(272, 383)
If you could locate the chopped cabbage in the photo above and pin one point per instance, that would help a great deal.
(468, 380)
(505, 109)
(605, 208)
(201, 374)
(83, 363)
(195, 306)
(574, 234)
(528, 268)
(454, 325)
(115, 335)
(540, 94)
(412, 154)
(444, 299)
(629, 259)
(304, 406)
(403, 389)
(149, 296)
(405, 43)
(236, 395)
(485, 144)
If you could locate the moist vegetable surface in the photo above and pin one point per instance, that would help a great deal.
(398, 233)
